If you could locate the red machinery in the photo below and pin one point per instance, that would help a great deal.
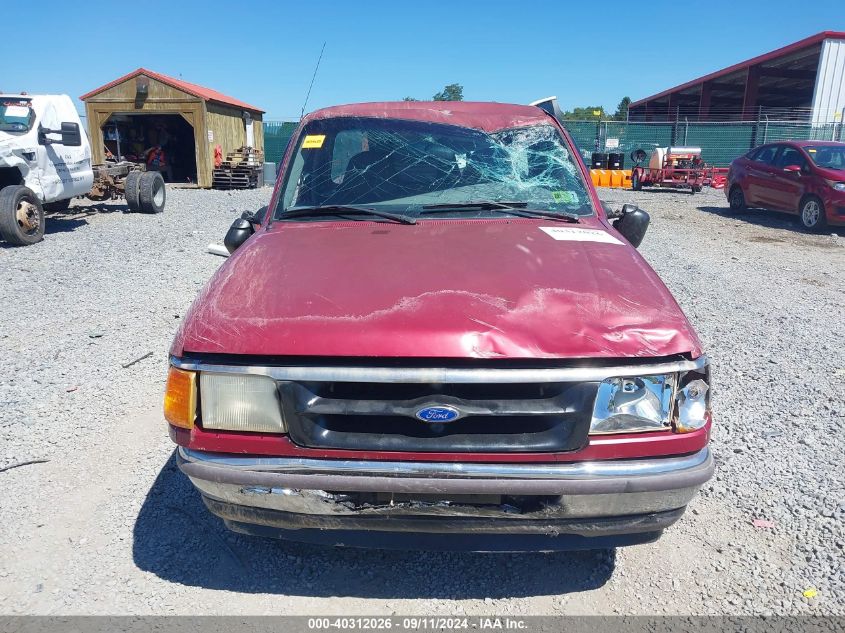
(676, 167)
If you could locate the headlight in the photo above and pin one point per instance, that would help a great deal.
(652, 403)
(838, 186)
(638, 403)
(240, 402)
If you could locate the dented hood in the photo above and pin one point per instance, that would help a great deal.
(502, 288)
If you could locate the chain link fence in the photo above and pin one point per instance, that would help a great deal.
(720, 141)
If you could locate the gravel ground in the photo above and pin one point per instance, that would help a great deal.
(109, 525)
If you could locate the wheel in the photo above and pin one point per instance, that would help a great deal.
(636, 185)
(811, 214)
(21, 216)
(697, 189)
(131, 186)
(57, 206)
(737, 199)
(151, 192)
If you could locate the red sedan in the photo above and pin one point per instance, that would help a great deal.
(803, 177)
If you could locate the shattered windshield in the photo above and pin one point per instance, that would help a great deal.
(409, 167)
(16, 115)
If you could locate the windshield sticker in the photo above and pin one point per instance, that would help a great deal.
(313, 141)
(572, 234)
(811, 150)
(17, 111)
(566, 197)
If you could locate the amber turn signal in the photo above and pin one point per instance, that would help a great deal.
(180, 398)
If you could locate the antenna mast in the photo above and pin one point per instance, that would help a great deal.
(314, 76)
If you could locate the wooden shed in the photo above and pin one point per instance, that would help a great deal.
(146, 109)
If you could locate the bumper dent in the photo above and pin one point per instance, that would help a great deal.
(586, 499)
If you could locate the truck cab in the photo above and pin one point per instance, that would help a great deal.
(45, 161)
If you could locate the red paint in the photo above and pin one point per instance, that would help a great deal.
(770, 186)
(437, 289)
(601, 447)
(493, 289)
(192, 89)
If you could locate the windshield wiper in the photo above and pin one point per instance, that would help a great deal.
(514, 208)
(342, 209)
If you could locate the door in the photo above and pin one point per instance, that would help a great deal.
(787, 187)
(759, 176)
(63, 170)
(250, 132)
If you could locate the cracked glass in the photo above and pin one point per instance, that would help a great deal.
(407, 166)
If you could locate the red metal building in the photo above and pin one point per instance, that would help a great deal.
(804, 80)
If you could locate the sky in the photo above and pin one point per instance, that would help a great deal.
(264, 53)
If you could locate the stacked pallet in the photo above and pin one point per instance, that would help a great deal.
(242, 169)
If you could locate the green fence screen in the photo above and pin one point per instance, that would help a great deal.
(276, 137)
(720, 142)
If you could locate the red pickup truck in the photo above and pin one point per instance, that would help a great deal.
(436, 337)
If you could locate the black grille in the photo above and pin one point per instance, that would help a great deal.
(538, 417)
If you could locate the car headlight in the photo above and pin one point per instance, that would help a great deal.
(636, 403)
(240, 402)
(633, 404)
(838, 186)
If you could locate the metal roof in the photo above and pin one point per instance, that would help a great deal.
(207, 94)
(775, 54)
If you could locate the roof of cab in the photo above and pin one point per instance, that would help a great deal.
(481, 115)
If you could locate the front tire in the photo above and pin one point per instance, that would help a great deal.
(737, 199)
(21, 216)
(151, 192)
(811, 214)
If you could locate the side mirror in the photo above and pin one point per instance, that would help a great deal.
(256, 218)
(71, 136)
(633, 224)
(240, 231)
(793, 169)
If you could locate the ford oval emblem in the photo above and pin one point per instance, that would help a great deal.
(437, 415)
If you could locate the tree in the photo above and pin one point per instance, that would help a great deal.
(409, 99)
(584, 114)
(622, 109)
(452, 92)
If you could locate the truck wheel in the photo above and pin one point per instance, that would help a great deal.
(636, 185)
(811, 214)
(57, 206)
(131, 186)
(152, 193)
(21, 216)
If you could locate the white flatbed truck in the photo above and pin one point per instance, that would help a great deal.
(45, 162)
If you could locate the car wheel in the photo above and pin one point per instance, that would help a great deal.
(636, 185)
(812, 214)
(57, 206)
(151, 192)
(737, 199)
(21, 216)
(131, 189)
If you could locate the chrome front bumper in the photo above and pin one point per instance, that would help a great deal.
(586, 498)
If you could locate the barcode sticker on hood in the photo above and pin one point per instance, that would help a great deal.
(573, 234)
